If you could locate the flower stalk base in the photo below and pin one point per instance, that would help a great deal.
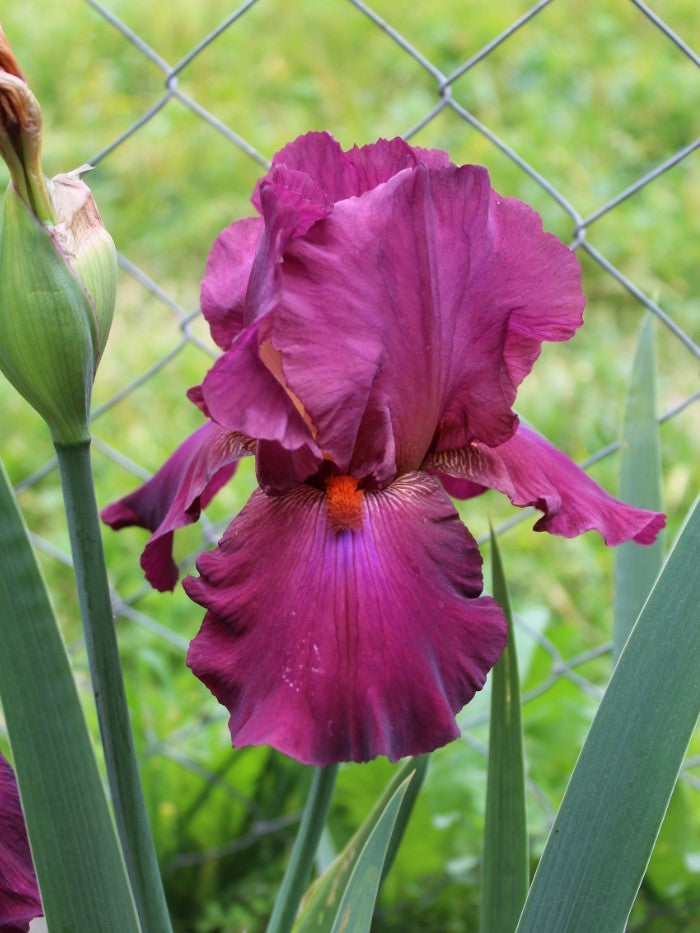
(108, 686)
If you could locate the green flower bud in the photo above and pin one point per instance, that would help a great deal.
(58, 272)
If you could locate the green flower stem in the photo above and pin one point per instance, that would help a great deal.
(299, 869)
(108, 687)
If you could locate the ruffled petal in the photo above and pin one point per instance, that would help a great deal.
(245, 390)
(241, 393)
(241, 279)
(343, 645)
(176, 495)
(531, 471)
(291, 203)
(342, 175)
(225, 282)
(19, 893)
(395, 291)
(429, 295)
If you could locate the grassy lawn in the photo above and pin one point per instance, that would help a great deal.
(592, 96)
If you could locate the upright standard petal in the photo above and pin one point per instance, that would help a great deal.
(346, 624)
(225, 283)
(246, 390)
(245, 254)
(19, 893)
(342, 174)
(428, 294)
(176, 495)
(314, 164)
(531, 471)
(245, 393)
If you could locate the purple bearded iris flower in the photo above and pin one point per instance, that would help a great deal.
(376, 320)
(19, 893)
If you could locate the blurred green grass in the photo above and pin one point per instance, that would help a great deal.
(592, 96)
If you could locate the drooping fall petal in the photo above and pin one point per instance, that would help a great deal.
(176, 495)
(333, 644)
(531, 471)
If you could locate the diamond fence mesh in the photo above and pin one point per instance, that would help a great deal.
(582, 109)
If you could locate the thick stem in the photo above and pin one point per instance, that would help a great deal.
(300, 863)
(108, 687)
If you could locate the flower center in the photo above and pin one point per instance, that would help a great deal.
(344, 503)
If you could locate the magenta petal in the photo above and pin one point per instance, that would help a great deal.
(441, 294)
(345, 645)
(291, 203)
(279, 469)
(245, 389)
(380, 161)
(241, 393)
(459, 488)
(374, 454)
(320, 157)
(225, 282)
(341, 174)
(531, 471)
(19, 893)
(175, 496)
(242, 279)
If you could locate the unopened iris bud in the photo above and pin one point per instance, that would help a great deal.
(58, 271)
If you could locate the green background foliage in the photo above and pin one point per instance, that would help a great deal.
(592, 95)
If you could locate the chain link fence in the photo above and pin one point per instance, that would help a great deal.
(441, 94)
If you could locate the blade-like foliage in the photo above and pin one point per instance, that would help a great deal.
(306, 843)
(77, 857)
(343, 898)
(506, 869)
(637, 566)
(418, 767)
(605, 830)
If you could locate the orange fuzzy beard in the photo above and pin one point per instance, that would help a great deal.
(344, 503)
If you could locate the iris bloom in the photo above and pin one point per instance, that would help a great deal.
(19, 893)
(375, 320)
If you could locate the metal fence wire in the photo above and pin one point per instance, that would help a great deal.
(443, 93)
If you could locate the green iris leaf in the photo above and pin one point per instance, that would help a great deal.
(343, 898)
(636, 565)
(609, 819)
(78, 861)
(506, 867)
